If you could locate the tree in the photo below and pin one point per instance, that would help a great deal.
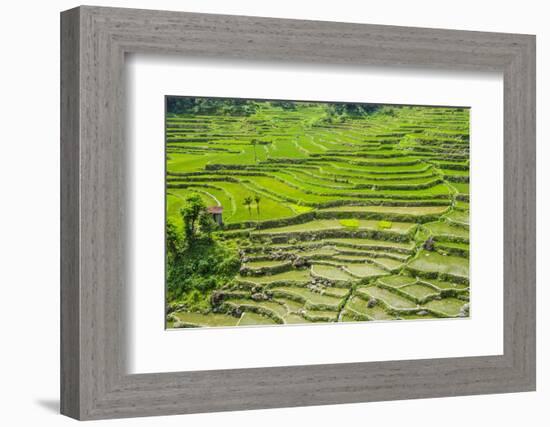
(173, 240)
(285, 105)
(190, 215)
(339, 111)
(191, 105)
(257, 199)
(207, 224)
(248, 202)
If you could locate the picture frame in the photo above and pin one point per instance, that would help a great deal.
(94, 380)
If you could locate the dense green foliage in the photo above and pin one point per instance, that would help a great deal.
(244, 107)
(232, 107)
(197, 262)
(285, 105)
(351, 109)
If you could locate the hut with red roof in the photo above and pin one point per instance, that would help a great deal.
(216, 212)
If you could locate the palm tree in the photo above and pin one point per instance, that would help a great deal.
(247, 202)
(257, 199)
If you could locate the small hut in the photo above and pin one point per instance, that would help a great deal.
(216, 212)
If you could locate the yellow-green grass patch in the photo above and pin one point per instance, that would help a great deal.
(247, 304)
(396, 281)
(360, 306)
(443, 229)
(308, 296)
(390, 298)
(389, 264)
(371, 243)
(290, 304)
(404, 210)
(249, 318)
(445, 285)
(419, 290)
(330, 272)
(321, 315)
(262, 264)
(204, 320)
(295, 319)
(301, 276)
(331, 224)
(364, 271)
(433, 262)
(447, 306)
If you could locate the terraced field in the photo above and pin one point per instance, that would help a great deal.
(334, 217)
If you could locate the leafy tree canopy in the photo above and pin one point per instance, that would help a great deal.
(231, 107)
(197, 262)
(349, 109)
(285, 105)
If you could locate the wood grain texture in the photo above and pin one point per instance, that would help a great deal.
(70, 297)
(95, 383)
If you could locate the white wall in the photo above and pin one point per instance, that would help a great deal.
(29, 225)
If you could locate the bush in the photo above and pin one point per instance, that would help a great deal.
(349, 223)
(197, 260)
(384, 225)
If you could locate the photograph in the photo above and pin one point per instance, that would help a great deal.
(296, 212)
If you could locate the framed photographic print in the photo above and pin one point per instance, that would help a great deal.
(345, 212)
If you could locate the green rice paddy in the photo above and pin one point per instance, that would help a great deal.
(333, 217)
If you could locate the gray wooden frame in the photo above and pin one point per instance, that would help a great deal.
(94, 382)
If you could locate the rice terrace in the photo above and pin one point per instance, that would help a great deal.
(287, 212)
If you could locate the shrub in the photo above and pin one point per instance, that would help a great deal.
(349, 223)
(384, 225)
(193, 272)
